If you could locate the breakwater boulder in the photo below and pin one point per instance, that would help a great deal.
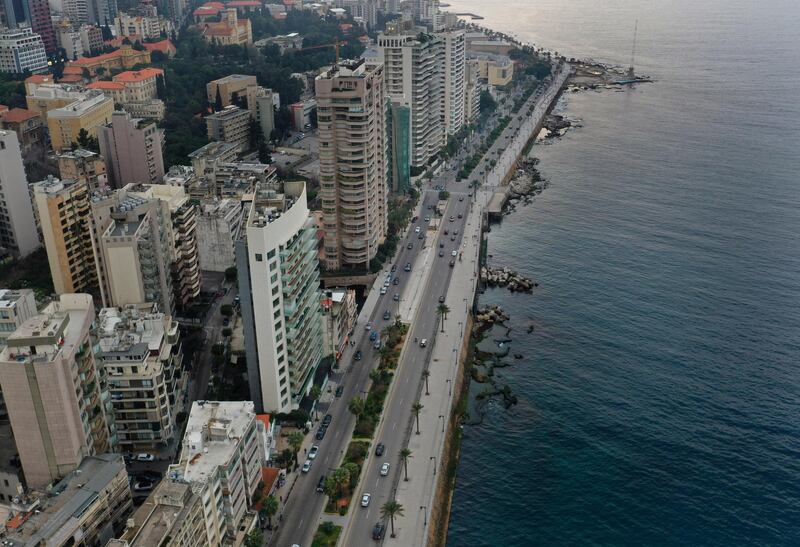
(505, 277)
(490, 315)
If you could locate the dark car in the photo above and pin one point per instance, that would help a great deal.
(326, 421)
(441, 253)
(321, 484)
(357, 356)
(441, 245)
(339, 391)
(452, 263)
(379, 449)
(452, 238)
(420, 236)
(373, 336)
(446, 231)
(321, 433)
(225, 322)
(394, 267)
(410, 246)
(378, 530)
(460, 215)
(386, 315)
(408, 267)
(441, 299)
(396, 281)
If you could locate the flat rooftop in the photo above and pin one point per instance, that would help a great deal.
(9, 297)
(169, 503)
(130, 332)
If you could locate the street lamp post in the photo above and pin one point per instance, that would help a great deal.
(449, 387)
(442, 417)
(424, 510)
(434, 465)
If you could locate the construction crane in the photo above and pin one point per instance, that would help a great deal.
(335, 45)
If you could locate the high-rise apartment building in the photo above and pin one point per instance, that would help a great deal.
(454, 75)
(221, 459)
(65, 219)
(132, 149)
(83, 165)
(16, 307)
(89, 113)
(231, 125)
(18, 235)
(262, 108)
(96, 12)
(22, 50)
(42, 24)
(279, 284)
(140, 350)
(53, 391)
(351, 117)
(414, 78)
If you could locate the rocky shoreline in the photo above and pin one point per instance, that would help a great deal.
(505, 277)
(526, 183)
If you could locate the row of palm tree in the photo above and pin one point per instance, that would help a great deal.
(442, 310)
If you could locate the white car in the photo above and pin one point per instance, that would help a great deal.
(365, 500)
(383, 291)
(423, 342)
(454, 253)
(144, 457)
(384, 469)
(417, 230)
(312, 453)
(307, 466)
(368, 326)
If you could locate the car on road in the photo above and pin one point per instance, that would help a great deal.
(460, 215)
(387, 281)
(396, 297)
(373, 336)
(383, 290)
(306, 466)
(376, 344)
(460, 198)
(417, 230)
(144, 457)
(408, 267)
(357, 356)
(326, 421)
(226, 322)
(378, 531)
(441, 299)
(312, 452)
(455, 232)
(452, 218)
(441, 245)
(420, 236)
(321, 432)
(446, 231)
(365, 499)
(423, 342)
(143, 486)
(427, 219)
(384, 469)
(321, 484)
(379, 449)
(410, 246)
(394, 268)
(339, 391)
(452, 237)
(454, 253)
(368, 326)
(452, 262)
(396, 281)
(441, 253)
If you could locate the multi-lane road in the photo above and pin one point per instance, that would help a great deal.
(304, 505)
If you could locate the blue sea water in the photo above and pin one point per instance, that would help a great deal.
(659, 397)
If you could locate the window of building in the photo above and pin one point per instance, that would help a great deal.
(259, 257)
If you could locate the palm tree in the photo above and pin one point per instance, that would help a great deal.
(415, 408)
(341, 477)
(356, 406)
(391, 509)
(385, 353)
(404, 455)
(295, 439)
(315, 394)
(442, 310)
(270, 508)
(426, 374)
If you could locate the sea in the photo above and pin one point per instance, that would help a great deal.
(659, 392)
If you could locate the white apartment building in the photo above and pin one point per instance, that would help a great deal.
(351, 117)
(18, 235)
(142, 27)
(140, 351)
(16, 307)
(454, 76)
(414, 78)
(20, 50)
(221, 458)
(279, 284)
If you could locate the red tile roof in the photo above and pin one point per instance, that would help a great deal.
(243, 4)
(17, 115)
(104, 84)
(138, 75)
(73, 70)
(82, 61)
(164, 46)
(264, 419)
(39, 79)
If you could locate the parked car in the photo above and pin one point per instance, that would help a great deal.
(144, 457)
(384, 469)
(379, 449)
(410, 246)
(365, 499)
(427, 219)
(452, 262)
(441, 253)
(396, 297)
(378, 531)
(420, 236)
(307, 466)
(394, 267)
(376, 344)
(226, 322)
(383, 290)
(408, 267)
(417, 230)
(452, 238)
(452, 218)
(396, 281)
(143, 486)
(368, 326)
(321, 432)
(441, 245)
(460, 198)
(326, 421)
(357, 356)
(339, 391)
(321, 483)
(312, 452)
(454, 253)
(373, 336)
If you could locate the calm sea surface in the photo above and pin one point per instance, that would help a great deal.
(660, 392)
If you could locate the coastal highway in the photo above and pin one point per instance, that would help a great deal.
(408, 383)
(304, 505)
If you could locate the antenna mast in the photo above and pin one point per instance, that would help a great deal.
(633, 50)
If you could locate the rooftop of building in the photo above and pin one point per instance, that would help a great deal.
(130, 76)
(151, 523)
(18, 115)
(124, 51)
(497, 58)
(346, 68)
(272, 199)
(164, 46)
(132, 332)
(121, 228)
(52, 185)
(212, 431)
(10, 297)
(93, 99)
(214, 150)
(229, 112)
(106, 85)
(60, 510)
(57, 91)
(216, 207)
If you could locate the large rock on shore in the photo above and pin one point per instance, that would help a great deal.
(505, 277)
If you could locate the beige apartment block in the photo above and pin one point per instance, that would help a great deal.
(65, 219)
(53, 391)
(83, 165)
(140, 351)
(43, 96)
(231, 125)
(227, 86)
(133, 150)
(351, 118)
(89, 113)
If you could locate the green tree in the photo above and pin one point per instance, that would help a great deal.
(426, 374)
(356, 406)
(295, 439)
(443, 195)
(353, 470)
(442, 310)
(270, 508)
(218, 101)
(226, 310)
(390, 510)
(161, 90)
(405, 454)
(254, 539)
(87, 142)
(415, 409)
(231, 274)
(341, 478)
